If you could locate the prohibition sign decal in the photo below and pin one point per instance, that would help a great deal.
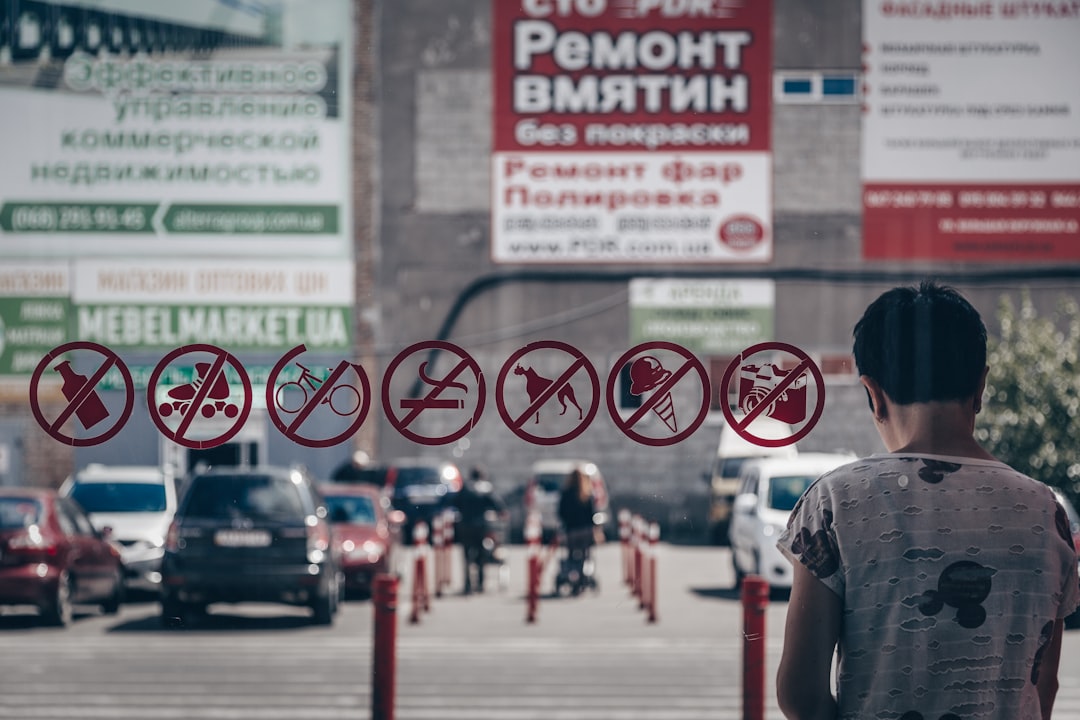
(334, 392)
(436, 386)
(206, 396)
(652, 377)
(83, 400)
(769, 389)
(541, 389)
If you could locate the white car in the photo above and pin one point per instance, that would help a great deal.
(137, 502)
(768, 491)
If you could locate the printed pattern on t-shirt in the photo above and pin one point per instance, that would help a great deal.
(951, 572)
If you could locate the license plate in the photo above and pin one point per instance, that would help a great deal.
(242, 538)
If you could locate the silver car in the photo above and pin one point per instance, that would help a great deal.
(138, 502)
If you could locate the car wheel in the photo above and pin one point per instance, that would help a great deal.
(112, 605)
(175, 614)
(58, 611)
(322, 609)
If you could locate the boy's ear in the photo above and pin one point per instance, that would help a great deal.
(875, 396)
(981, 390)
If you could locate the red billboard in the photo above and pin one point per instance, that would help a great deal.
(632, 130)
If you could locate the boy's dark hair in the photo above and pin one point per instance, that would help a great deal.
(922, 344)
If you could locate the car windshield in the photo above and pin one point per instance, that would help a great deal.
(550, 482)
(350, 509)
(417, 476)
(784, 492)
(119, 497)
(731, 467)
(18, 513)
(252, 496)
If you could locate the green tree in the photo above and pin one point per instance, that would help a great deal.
(1031, 417)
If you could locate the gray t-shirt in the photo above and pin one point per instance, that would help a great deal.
(950, 571)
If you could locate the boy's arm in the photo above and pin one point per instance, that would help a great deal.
(810, 637)
(1048, 671)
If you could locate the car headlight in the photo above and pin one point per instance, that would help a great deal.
(369, 550)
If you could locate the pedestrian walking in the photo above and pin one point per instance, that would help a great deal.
(940, 574)
(475, 504)
(577, 515)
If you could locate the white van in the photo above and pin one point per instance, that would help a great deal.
(731, 453)
(768, 491)
(137, 502)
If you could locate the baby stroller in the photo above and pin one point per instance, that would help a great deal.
(577, 569)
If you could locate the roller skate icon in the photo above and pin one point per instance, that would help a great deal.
(181, 397)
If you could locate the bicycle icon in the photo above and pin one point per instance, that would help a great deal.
(291, 397)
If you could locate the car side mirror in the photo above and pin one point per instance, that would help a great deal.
(746, 504)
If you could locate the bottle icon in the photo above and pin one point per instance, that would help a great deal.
(91, 410)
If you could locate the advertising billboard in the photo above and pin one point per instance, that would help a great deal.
(631, 131)
(971, 139)
(206, 139)
(708, 317)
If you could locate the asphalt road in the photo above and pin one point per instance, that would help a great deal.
(593, 657)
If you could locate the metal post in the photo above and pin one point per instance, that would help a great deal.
(419, 583)
(624, 543)
(654, 536)
(437, 524)
(384, 643)
(638, 535)
(755, 600)
(533, 533)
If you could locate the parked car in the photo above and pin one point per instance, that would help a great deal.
(52, 557)
(138, 502)
(544, 488)
(731, 452)
(420, 487)
(364, 531)
(249, 535)
(768, 491)
(1073, 620)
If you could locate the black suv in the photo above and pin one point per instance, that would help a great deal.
(422, 487)
(249, 535)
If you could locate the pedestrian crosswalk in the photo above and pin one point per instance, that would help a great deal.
(471, 658)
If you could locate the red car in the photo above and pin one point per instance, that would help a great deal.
(363, 532)
(52, 557)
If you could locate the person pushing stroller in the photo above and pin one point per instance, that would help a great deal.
(577, 513)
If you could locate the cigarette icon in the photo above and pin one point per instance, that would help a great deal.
(431, 404)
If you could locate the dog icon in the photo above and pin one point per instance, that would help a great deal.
(536, 384)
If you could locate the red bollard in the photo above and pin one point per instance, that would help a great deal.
(639, 569)
(448, 547)
(533, 534)
(437, 524)
(420, 599)
(624, 543)
(654, 536)
(755, 599)
(384, 643)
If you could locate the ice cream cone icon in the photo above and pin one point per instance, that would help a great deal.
(646, 373)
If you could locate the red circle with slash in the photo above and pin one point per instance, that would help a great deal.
(81, 396)
(431, 401)
(197, 402)
(323, 393)
(553, 389)
(658, 394)
(805, 364)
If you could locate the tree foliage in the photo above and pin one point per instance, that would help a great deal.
(1031, 415)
